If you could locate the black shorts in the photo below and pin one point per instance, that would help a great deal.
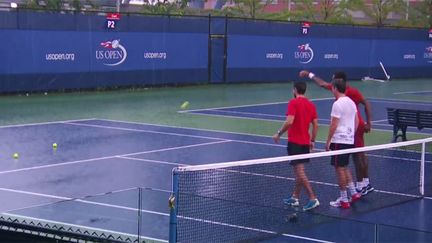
(342, 159)
(294, 149)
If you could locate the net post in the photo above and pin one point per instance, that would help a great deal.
(173, 207)
(139, 213)
(422, 168)
(376, 237)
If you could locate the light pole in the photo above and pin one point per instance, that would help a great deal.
(407, 9)
(289, 10)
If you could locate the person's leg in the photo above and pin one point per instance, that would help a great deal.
(354, 194)
(358, 158)
(293, 200)
(342, 180)
(302, 180)
(342, 201)
(340, 163)
(298, 180)
(359, 169)
(361, 164)
(367, 187)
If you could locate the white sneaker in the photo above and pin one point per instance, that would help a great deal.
(339, 203)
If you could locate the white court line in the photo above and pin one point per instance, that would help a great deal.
(136, 210)
(325, 124)
(246, 118)
(66, 199)
(262, 114)
(382, 120)
(83, 227)
(247, 113)
(242, 106)
(152, 161)
(178, 134)
(413, 92)
(232, 140)
(137, 153)
(405, 102)
(47, 123)
(186, 128)
(59, 198)
(142, 130)
(253, 229)
(109, 157)
(164, 214)
(401, 101)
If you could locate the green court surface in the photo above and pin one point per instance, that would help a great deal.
(160, 105)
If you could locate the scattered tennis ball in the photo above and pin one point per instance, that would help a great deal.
(185, 105)
(15, 155)
(293, 218)
(54, 145)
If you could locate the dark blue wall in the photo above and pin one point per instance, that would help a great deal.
(46, 51)
(270, 51)
(50, 51)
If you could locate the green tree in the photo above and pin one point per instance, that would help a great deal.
(329, 11)
(54, 5)
(378, 10)
(32, 4)
(305, 10)
(420, 15)
(76, 4)
(165, 7)
(247, 8)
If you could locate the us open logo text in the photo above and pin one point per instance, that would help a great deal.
(304, 54)
(111, 53)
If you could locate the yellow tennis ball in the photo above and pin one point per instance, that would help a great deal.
(54, 145)
(184, 105)
(15, 155)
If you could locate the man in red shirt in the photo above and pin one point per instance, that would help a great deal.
(300, 114)
(360, 159)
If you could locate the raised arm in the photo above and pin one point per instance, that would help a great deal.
(319, 81)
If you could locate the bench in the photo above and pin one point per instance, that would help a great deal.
(402, 118)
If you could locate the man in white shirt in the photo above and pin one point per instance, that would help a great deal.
(344, 122)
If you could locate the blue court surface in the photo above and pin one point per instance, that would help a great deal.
(69, 186)
(276, 111)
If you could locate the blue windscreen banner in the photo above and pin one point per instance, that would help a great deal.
(37, 60)
(50, 51)
(217, 71)
(66, 51)
(288, 55)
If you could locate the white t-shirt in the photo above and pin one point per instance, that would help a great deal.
(344, 109)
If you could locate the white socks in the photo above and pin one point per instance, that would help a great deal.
(344, 196)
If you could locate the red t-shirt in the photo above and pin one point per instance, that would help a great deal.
(304, 113)
(354, 95)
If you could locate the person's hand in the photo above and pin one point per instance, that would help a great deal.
(327, 148)
(276, 138)
(367, 127)
(311, 146)
(304, 74)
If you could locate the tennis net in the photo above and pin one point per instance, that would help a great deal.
(242, 201)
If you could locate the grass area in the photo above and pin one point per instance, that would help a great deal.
(160, 105)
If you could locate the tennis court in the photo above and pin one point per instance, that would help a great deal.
(112, 177)
(276, 111)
